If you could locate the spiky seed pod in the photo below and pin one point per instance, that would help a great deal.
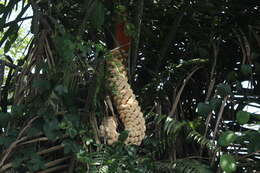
(125, 103)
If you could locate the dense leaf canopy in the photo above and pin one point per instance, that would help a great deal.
(194, 66)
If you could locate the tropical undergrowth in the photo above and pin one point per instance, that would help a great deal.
(188, 78)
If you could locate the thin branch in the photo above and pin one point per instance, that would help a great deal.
(56, 162)
(215, 46)
(9, 150)
(213, 70)
(27, 126)
(198, 157)
(219, 116)
(174, 106)
(34, 141)
(46, 151)
(5, 167)
(250, 154)
(16, 21)
(10, 65)
(18, 140)
(51, 149)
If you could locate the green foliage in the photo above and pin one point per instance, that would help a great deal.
(117, 158)
(184, 166)
(51, 129)
(53, 94)
(65, 47)
(242, 117)
(192, 166)
(15, 45)
(226, 138)
(203, 141)
(224, 90)
(33, 162)
(204, 109)
(253, 140)
(227, 163)
(173, 127)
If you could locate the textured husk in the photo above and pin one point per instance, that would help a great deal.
(125, 103)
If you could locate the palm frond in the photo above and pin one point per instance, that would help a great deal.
(203, 141)
(183, 166)
(172, 126)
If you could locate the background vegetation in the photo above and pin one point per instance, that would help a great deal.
(193, 64)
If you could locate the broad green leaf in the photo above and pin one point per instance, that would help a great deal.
(227, 163)
(226, 138)
(204, 109)
(242, 117)
(246, 69)
(224, 90)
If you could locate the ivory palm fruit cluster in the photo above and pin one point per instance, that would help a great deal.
(125, 103)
